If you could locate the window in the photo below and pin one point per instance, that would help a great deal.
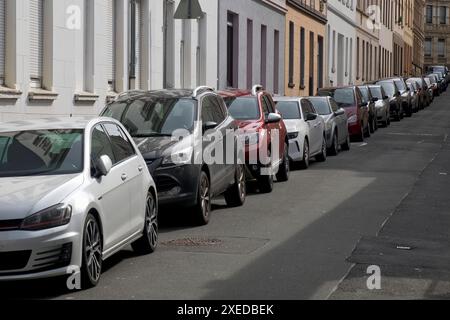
(428, 47)
(232, 50)
(276, 61)
(291, 55)
(289, 110)
(443, 15)
(110, 32)
(136, 35)
(429, 14)
(263, 55)
(211, 110)
(36, 41)
(101, 145)
(270, 104)
(2, 40)
(121, 146)
(302, 58)
(441, 48)
(249, 54)
(89, 46)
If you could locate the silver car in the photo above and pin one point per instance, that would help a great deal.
(72, 193)
(336, 124)
(382, 105)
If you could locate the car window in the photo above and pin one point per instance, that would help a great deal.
(307, 108)
(101, 145)
(321, 105)
(41, 152)
(270, 103)
(121, 147)
(211, 110)
(334, 106)
(265, 106)
(289, 109)
(245, 108)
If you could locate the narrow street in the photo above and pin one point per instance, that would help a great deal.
(384, 203)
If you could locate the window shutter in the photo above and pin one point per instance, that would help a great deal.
(2, 40)
(36, 32)
(110, 42)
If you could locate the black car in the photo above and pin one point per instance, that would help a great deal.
(370, 100)
(395, 99)
(169, 127)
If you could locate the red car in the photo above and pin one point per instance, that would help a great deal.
(351, 100)
(258, 119)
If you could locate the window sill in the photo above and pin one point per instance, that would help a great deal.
(291, 85)
(86, 97)
(9, 94)
(42, 95)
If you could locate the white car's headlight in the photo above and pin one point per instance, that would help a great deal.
(353, 119)
(177, 158)
(56, 216)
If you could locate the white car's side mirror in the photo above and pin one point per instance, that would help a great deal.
(103, 166)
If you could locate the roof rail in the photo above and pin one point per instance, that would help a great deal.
(129, 93)
(200, 90)
(257, 88)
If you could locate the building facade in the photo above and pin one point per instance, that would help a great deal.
(437, 29)
(71, 57)
(419, 37)
(251, 44)
(305, 47)
(367, 43)
(341, 35)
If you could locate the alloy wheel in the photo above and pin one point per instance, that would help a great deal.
(151, 221)
(93, 250)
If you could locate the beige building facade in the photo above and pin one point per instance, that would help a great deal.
(305, 47)
(437, 29)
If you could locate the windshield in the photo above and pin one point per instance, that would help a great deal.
(365, 94)
(389, 88)
(289, 110)
(243, 108)
(345, 98)
(157, 117)
(41, 152)
(321, 106)
(400, 84)
(376, 92)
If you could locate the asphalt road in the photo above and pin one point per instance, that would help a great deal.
(312, 238)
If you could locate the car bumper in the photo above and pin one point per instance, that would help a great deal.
(176, 185)
(39, 254)
(295, 150)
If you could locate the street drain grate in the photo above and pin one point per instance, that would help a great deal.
(220, 245)
(193, 242)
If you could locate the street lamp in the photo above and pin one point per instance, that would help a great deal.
(189, 9)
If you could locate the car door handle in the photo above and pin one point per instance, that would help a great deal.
(124, 177)
(140, 168)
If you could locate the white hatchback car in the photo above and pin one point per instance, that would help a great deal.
(72, 193)
(306, 130)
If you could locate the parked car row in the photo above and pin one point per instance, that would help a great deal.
(76, 191)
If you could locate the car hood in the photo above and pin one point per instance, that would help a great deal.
(154, 147)
(23, 196)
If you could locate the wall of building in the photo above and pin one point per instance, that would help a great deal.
(247, 57)
(76, 71)
(341, 33)
(312, 20)
(436, 33)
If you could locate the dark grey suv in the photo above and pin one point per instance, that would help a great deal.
(170, 127)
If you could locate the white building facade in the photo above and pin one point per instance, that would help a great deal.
(341, 34)
(63, 57)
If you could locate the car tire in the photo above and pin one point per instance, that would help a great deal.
(304, 164)
(202, 210)
(347, 145)
(367, 132)
(334, 150)
(149, 241)
(236, 194)
(92, 252)
(360, 137)
(284, 169)
(372, 126)
(265, 183)
(322, 157)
